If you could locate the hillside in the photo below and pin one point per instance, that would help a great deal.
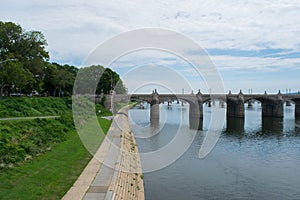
(36, 106)
(40, 157)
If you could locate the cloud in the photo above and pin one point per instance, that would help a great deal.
(243, 37)
(214, 24)
(260, 64)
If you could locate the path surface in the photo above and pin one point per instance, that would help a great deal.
(115, 170)
(26, 118)
(108, 117)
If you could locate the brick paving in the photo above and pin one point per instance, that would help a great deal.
(115, 171)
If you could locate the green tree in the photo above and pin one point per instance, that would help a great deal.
(12, 74)
(110, 80)
(106, 78)
(26, 48)
(25, 67)
(86, 78)
(59, 80)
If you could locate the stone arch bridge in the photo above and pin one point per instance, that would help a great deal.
(272, 104)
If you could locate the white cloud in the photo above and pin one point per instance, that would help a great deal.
(255, 63)
(73, 28)
(214, 24)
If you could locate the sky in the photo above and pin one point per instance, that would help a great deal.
(253, 44)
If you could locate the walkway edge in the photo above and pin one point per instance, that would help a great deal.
(82, 184)
(101, 182)
(26, 118)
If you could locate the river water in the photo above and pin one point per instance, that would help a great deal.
(255, 158)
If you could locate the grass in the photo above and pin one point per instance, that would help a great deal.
(50, 175)
(23, 139)
(35, 106)
(57, 155)
(20, 139)
(101, 111)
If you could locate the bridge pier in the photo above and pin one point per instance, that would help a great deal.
(235, 106)
(196, 112)
(297, 108)
(196, 123)
(273, 108)
(107, 102)
(154, 108)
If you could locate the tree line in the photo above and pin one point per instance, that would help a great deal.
(25, 67)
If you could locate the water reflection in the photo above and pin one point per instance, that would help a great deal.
(196, 123)
(271, 126)
(297, 125)
(255, 158)
(154, 123)
(235, 125)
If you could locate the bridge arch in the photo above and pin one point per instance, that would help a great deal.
(272, 105)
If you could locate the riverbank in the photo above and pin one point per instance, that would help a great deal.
(41, 154)
(30, 127)
(115, 171)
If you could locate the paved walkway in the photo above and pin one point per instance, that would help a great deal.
(108, 117)
(26, 118)
(120, 177)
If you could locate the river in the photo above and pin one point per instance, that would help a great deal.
(255, 158)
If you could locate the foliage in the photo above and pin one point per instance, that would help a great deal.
(58, 80)
(101, 111)
(13, 75)
(24, 68)
(22, 55)
(105, 77)
(109, 80)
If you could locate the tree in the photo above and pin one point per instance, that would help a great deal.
(62, 80)
(59, 80)
(110, 80)
(106, 78)
(10, 36)
(13, 74)
(24, 65)
(86, 79)
(27, 49)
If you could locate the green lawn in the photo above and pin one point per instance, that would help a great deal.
(35, 106)
(50, 175)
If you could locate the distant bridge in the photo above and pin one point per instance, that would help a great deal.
(272, 104)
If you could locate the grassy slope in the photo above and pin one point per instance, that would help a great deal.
(21, 138)
(50, 175)
(36, 106)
